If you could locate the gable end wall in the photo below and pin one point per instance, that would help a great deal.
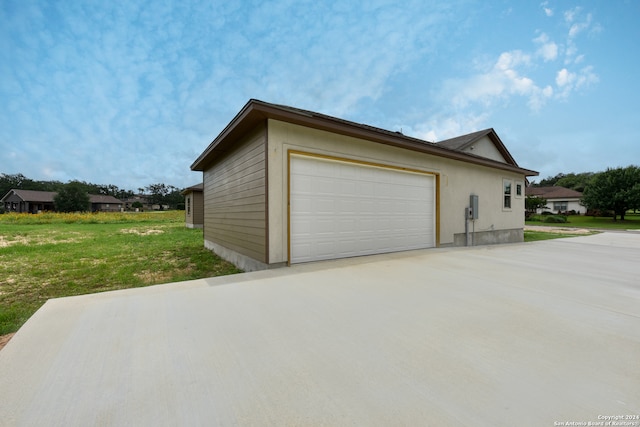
(485, 148)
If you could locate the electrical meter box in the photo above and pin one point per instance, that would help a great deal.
(473, 206)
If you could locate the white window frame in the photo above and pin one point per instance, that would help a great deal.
(507, 184)
(519, 186)
(564, 202)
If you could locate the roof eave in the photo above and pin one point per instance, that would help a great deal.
(256, 111)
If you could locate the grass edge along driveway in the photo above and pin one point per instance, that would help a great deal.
(57, 255)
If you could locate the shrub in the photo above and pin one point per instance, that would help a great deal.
(531, 217)
(556, 219)
(599, 213)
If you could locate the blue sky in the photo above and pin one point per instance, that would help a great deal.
(130, 93)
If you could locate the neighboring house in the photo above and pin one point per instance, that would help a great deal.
(101, 203)
(194, 206)
(28, 201)
(284, 186)
(141, 198)
(38, 201)
(559, 199)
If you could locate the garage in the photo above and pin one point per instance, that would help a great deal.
(342, 208)
(282, 185)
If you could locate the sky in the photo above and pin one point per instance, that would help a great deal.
(131, 93)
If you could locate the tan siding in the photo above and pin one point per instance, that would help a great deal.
(188, 209)
(197, 207)
(235, 198)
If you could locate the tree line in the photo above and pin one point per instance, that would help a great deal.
(614, 191)
(157, 194)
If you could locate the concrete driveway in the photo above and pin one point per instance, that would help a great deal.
(532, 334)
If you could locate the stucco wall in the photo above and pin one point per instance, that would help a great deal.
(457, 179)
(485, 148)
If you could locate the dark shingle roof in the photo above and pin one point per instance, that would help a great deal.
(554, 192)
(99, 198)
(33, 196)
(461, 143)
(256, 113)
(197, 187)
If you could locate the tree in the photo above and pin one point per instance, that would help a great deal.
(9, 182)
(617, 190)
(158, 193)
(574, 181)
(175, 198)
(549, 181)
(72, 198)
(533, 203)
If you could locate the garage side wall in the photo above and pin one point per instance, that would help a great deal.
(457, 181)
(234, 200)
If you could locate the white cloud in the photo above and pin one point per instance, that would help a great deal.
(578, 22)
(515, 75)
(502, 81)
(564, 77)
(568, 81)
(548, 50)
(547, 10)
(441, 126)
(569, 15)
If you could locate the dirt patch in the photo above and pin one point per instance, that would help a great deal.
(559, 230)
(4, 339)
(52, 238)
(142, 232)
(4, 241)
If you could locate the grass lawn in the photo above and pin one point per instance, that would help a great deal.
(56, 255)
(631, 222)
(533, 236)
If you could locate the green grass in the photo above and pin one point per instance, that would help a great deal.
(631, 222)
(58, 257)
(534, 236)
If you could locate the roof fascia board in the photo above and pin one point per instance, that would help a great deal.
(501, 147)
(255, 111)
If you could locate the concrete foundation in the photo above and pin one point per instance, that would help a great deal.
(241, 261)
(492, 237)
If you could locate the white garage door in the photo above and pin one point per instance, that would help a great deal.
(343, 209)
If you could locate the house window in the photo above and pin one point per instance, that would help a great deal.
(560, 206)
(518, 189)
(507, 194)
(189, 205)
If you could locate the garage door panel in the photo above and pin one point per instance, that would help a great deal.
(341, 209)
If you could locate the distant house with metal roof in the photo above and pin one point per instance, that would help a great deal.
(559, 199)
(31, 201)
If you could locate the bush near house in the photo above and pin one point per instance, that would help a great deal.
(556, 219)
